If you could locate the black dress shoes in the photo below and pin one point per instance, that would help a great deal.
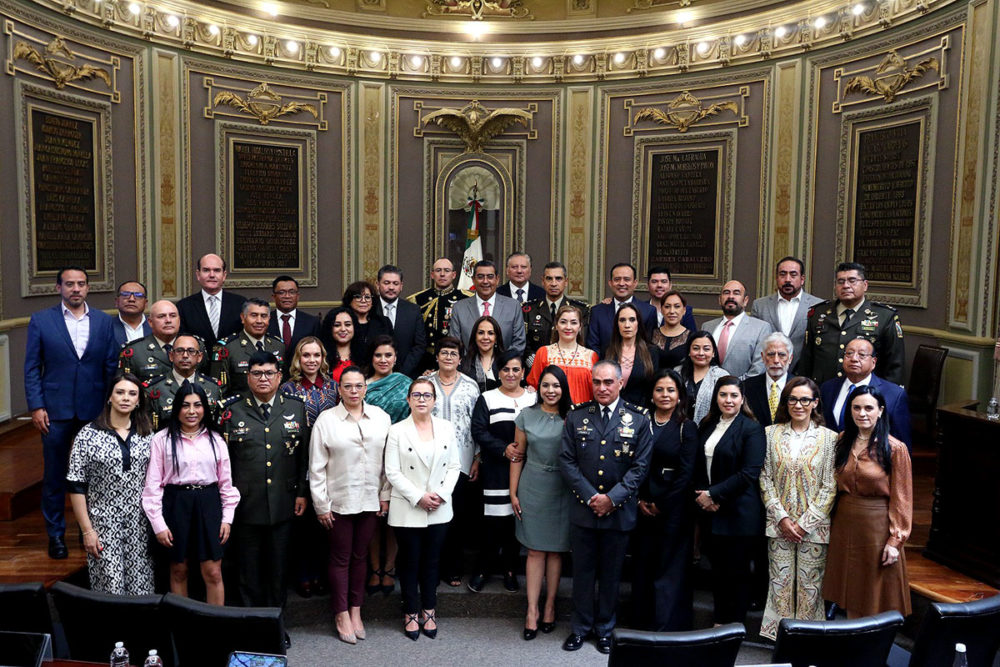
(573, 642)
(604, 645)
(57, 548)
(546, 627)
(477, 582)
(510, 583)
(530, 633)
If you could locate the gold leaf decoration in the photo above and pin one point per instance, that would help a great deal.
(263, 104)
(891, 76)
(56, 63)
(475, 125)
(683, 111)
(477, 10)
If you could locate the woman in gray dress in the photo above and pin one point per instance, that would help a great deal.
(540, 497)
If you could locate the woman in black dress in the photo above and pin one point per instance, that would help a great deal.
(360, 297)
(630, 348)
(483, 351)
(665, 530)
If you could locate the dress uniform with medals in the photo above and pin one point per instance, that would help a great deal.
(269, 454)
(602, 455)
(435, 310)
(231, 359)
(161, 391)
(826, 338)
(539, 319)
(145, 358)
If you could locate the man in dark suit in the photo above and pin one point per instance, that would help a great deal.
(763, 391)
(539, 316)
(658, 283)
(131, 323)
(787, 309)
(69, 358)
(212, 313)
(622, 281)
(407, 325)
(604, 457)
(519, 286)
(859, 369)
(487, 302)
(288, 322)
(268, 440)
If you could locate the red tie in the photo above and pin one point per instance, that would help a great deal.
(486, 308)
(286, 330)
(724, 340)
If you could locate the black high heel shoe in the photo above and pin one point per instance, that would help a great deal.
(547, 627)
(372, 589)
(430, 632)
(387, 589)
(412, 634)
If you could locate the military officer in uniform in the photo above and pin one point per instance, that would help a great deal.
(268, 439)
(231, 357)
(435, 305)
(539, 315)
(606, 447)
(831, 325)
(185, 355)
(149, 356)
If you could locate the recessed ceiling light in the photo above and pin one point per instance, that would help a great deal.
(270, 8)
(292, 46)
(858, 9)
(456, 62)
(703, 47)
(578, 59)
(820, 22)
(497, 62)
(135, 8)
(660, 53)
(213, 30)
(375, 56)
(740, 40)
(476, 29)
(536, 62)
(781, 31)
(252, 40)
(417, 60)
(685, 16)
(173, 21)
(334, 52)
(619, 58)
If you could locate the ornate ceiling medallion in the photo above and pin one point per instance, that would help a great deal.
(683, 111)
(478, 10)
(891, 76)
(475, 125)
(55, 63)
(262, 103)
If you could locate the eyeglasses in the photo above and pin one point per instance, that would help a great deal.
(138, 295)
(848, 281)
(448, 353)
(263, 374)
(362, 297)
(858, 355)
(286, 292)
(422, 396)
(804, 401)
(186, 351)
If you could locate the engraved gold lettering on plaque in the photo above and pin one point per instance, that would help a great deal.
(262, 103)
(55, 62)
(683, 111)
(891, 76)
(475, 125)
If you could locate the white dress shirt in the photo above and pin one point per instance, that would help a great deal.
(389, 309)
(842, 396)
(130, 333)
(78, 327)
(786, 312)
(713, 440)
(281, 319)
(345, 460)
(780, 382)
(717, 333)
(513, 291)
(492, 301)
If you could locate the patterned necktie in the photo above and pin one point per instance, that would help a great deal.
(520, 296)
(486, 308)
(724, 340)
(213, 314)
(848, 314)
(843, 408)
(772, 399)
(286, 329)
(265, 410)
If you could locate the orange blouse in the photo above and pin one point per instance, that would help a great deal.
(863, 476)
(577, 365)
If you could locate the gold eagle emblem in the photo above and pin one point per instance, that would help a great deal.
(683, 111)
(891, 76)
(262, 103)
(476, 125)
(55, 63)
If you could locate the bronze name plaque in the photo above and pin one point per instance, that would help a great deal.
(64, 191)
(266, 206)
(886, 201)
(684, 210)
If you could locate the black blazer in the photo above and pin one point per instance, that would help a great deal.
(361, 350)
(735, 486)
(534, 291)
(194, 317)
(636, 390)
(305, 325)
(669, 483)
(410, 336)
(755, 394)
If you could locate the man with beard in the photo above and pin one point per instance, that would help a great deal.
(740, 337)
(787, 309)
(763, 391)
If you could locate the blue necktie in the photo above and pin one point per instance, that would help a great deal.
(843, 408)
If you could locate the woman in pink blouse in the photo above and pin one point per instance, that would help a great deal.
(189, 495)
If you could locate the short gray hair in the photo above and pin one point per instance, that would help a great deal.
(778, 337)
(607, 362)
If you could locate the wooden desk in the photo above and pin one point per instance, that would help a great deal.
(965, 516)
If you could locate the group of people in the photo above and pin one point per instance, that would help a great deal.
(391, 436)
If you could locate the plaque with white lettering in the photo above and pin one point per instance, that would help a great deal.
(266, 206)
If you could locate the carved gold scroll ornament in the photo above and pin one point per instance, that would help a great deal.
(891, 76)
(262, 103)
(683, 111)
(477, 10)
(54, 61)
(475, 125)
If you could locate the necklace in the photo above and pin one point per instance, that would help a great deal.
(561, 355)
(659, 423)
(446, 384)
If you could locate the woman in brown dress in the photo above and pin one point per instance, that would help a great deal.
(866, 567)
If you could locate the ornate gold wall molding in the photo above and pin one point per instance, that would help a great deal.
(54, 60)
(166, 257)
(892, 75)
(266, 105)
(478, 10)
(476, 125)
(378, 242)
(578, 251)
(684, 111)
(786, 237)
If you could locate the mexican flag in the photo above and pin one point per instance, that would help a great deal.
(473, 245)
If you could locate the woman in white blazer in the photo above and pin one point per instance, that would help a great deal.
(422, 464)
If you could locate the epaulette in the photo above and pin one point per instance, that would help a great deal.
(228, 339)
(580, 405)
(235, 398)
(635, 408)
(208, 379)
(813, 308)
(154, 380)
(883, 305)
(285, 394)
(274, 338)
(466, 292)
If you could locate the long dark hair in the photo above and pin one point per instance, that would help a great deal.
(379, 341)
(614, 351)
(878, 444)
(326, 334)
(714, 411)
(174, 424)
(687, 366)
(142, 424)
(680, 410)
(565, 402)
(472, 350)
(782, 416)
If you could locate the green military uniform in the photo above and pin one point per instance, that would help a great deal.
(231, 359)
(538, 321)
(145, 358)
(823, 350)
(269, 458)
(161, 391)
(435, 309)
